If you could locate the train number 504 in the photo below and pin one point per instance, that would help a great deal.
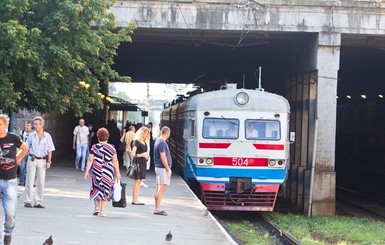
(237, 161)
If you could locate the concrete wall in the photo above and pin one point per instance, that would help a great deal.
(59, 126)
(358, 17)
(312, 95)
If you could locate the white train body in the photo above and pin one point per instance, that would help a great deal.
(236, 149)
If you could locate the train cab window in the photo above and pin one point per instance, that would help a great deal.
(220, 128)
(262, 129)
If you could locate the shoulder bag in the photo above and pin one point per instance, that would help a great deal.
(133, 169)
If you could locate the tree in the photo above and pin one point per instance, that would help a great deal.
(57, 55)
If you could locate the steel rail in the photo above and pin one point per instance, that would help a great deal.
(282, 234)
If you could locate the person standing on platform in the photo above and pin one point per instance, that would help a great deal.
(149, 144)
(105, 169)
(80, 144)
(163, 164)
(128, 137)
(150, 126)
(40, 154)
(9, 160)
(139, 150)
(91, 134)
(24, 136)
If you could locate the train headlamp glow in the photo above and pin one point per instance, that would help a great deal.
(209, 161)
(272, 162)
(242, 98)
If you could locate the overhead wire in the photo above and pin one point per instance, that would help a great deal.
(187, 26)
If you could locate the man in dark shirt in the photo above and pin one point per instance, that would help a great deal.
(163, 163)
(9, 160)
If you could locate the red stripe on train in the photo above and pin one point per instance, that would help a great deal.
(214, 145)
(269, 147)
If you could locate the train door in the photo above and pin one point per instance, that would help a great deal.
(190, 138)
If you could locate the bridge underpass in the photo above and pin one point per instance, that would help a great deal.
(209, 59)
(310, 52)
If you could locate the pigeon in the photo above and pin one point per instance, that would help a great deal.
(49, 241)
(168, 237)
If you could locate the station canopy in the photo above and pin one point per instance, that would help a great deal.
(119, 104)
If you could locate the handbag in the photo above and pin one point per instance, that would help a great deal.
(122, 146)
(122, 203)
(133, 169)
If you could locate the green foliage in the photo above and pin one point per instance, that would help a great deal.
(330, 230)
(47, 47)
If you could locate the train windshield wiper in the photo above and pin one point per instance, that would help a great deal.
(229, 121)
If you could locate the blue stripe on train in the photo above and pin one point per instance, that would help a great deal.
(241, 172)
(259, 176)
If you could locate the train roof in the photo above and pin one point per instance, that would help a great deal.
(225, 99)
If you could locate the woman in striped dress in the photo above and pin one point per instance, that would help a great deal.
(105, 169)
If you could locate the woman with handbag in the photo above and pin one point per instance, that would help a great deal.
(140, 154)
(105, 169)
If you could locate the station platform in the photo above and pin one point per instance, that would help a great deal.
(68, 215)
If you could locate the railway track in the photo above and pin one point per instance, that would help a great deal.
(365, 204)
(259, 222)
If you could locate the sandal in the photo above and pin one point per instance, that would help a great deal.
(96, 212)
(103, 214)
(137, 203)
(161, 213)
(38, 206)
(28, 205)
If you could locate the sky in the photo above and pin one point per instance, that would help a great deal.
(152, 101)
(157, 91)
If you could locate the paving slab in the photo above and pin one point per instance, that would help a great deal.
(68, 215)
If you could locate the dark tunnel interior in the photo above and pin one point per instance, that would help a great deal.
(206, 59)
(360, 133)
(209, 60)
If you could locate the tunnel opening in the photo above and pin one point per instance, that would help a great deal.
(360, 130)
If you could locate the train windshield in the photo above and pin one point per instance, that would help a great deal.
(262, 129)
(220, 128)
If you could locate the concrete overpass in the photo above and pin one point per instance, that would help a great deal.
(307, 48)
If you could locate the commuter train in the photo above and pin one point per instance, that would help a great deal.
(234, 143)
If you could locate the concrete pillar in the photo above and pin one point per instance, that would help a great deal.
(324, 179)
(125, 118)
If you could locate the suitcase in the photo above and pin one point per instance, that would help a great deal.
(122, 203)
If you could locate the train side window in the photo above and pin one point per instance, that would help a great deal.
(262, 129)
(220, 128)
(192, 128)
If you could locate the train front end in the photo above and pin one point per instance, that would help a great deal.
(240, 150)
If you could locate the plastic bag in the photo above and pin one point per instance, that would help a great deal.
(122, 203)
(117, 191)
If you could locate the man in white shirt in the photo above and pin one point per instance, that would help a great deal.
(80, 144)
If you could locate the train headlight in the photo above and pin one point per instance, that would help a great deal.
(242, 98)
(277, 163)
(209, 161)
(272, 163)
